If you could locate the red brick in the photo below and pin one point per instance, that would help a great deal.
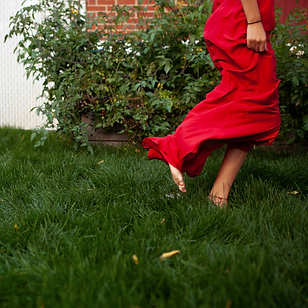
(106, 2)
(96, 8)
(149, 6)
(127, 2)
(102, 8)
(148, 14)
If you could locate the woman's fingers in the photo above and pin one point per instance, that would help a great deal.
(256, 37)
(257, 46)
(265, 46)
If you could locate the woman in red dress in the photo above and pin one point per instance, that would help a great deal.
(241, 111)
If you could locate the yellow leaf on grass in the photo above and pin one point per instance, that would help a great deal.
(293, 192)
(169, 254)
(16, 227)
(135, 259)
(100, 162)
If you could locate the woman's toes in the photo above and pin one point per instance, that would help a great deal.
(178, 178)
(181, 185)
(218, 201)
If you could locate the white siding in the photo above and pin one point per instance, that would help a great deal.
(17, 94)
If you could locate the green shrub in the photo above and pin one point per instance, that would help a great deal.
(145, 76)
(290, 44)
(146, 80)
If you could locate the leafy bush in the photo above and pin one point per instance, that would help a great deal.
(290, 43)
(146, 80)
(145, 75)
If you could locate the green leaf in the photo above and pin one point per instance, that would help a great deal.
(38, 144)
(167, 66)
(90, 149)
(136, 86)
(295, 80)
(33, 135)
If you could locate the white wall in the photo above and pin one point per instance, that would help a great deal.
(17, 94)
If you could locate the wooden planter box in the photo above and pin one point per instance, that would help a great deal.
(106, 136)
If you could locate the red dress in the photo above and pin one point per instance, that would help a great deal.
(243, 109)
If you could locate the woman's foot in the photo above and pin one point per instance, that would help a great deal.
(218, 201)
(178, 178)
(228, 171)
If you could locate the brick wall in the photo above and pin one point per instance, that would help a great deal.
(95, 6)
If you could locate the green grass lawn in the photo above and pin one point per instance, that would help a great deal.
(70, 226)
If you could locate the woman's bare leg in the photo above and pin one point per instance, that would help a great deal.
(178, 178)
(231, 164)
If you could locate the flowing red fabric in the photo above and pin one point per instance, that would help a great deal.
(242, 110)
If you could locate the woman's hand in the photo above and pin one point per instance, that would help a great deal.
(256, 37)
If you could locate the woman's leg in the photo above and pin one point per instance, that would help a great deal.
(231, 164)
